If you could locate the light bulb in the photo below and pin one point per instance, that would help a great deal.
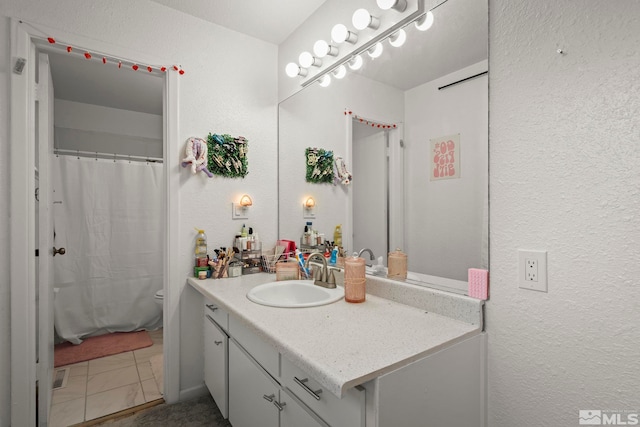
(356, 62)
(292, 69)
(376, 50)
(306, 60)
(399, 5)
(340, 34)
(340, 72)
(398, 38)
(425, 22)
(325, 80)
(321, 48)
(362, 19)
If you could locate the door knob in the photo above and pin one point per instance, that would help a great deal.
(60, 251)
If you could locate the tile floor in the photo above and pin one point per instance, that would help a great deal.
(109, 384)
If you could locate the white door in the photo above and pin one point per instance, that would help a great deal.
(44, 310)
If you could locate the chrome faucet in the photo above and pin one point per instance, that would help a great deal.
(372, 257)
(327, 279)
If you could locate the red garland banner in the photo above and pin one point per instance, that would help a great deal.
(370, 122)
(134, 66)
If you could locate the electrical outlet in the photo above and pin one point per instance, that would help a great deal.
(532, 270)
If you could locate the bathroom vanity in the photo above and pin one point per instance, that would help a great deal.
(411, 356)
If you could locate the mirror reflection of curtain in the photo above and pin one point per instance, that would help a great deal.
(370, 186)
(108, 216)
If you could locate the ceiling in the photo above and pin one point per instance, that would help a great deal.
(457, 39)
(269, 20)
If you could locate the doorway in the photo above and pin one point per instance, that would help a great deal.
(370, 190)
(107, 214)
(27, 370)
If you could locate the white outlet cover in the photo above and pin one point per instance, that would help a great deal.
(541, 258)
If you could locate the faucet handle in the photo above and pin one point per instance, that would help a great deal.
(332, 277)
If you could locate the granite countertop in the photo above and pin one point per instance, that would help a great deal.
(342, 345)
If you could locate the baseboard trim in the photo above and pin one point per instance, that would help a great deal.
(193, 392)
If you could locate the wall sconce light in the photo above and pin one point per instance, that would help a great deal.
(308, 208)
(292, 69)
(399, 5)
(240, 210)
(425, 21)
(362, 19)
(321, 48)
(340, 34)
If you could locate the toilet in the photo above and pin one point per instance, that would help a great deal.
(159, 298)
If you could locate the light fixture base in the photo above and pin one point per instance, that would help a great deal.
(308, 213)
(239, 212)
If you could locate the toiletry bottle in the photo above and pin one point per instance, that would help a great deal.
(250, 239)
(201, 244)
(337, 235)
(243, 231)
(304, 240)
(334, 256)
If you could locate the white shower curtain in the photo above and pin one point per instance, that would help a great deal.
(108, 217)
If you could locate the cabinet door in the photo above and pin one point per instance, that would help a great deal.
(251, 393)
(216, 363)
(294, 415)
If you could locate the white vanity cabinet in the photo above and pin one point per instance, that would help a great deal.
(216, 355)
(256, 399)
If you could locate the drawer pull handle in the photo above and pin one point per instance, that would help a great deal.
(211, 307)
(279, 405)
(217, 342)
(302, 383)
(269, 397)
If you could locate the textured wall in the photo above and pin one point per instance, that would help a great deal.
(564, 177)
(221, 92)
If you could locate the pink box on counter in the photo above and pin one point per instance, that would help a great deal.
(478, 283)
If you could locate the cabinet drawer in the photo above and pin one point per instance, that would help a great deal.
(220, 316)
(265, 354)
(348, 411)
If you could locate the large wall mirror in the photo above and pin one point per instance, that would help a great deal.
(433, 93)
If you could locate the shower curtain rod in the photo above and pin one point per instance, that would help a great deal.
(113, 156)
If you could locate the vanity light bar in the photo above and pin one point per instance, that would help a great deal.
(393, 34)
(366, 46)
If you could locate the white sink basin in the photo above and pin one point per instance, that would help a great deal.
(293, 294)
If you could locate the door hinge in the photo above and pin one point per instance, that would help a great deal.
(36, 91)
